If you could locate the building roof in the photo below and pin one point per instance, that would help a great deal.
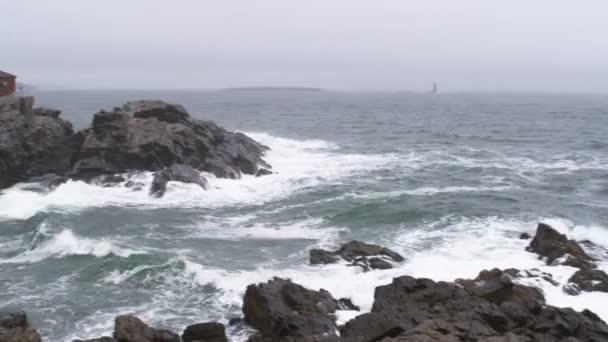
(6, 74)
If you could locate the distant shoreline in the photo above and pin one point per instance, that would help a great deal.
(272, 89)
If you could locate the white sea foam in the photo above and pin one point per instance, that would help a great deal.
(299, 165)
(67, 243)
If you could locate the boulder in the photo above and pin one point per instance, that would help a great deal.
(553, 245)
(179, 173)
(491, 308)
(128, 328)
(590, 280)
(152, 135)
(281, 309)
(32, 145)
(205, 332)
(14, 328)
(367, 256)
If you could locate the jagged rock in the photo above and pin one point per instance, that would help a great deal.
(590, 280)
(551, 244)
(32, 145)
(489, 308)
(141, 135)
(128, 328)
(13, 319)
(280, 309)
(50, 112)
(205, 332)
(177, 172)
(151, 135)
(367, 256)
(14, 328)
(263, 172)
(347, 304)
(372, 326)
(321, 256)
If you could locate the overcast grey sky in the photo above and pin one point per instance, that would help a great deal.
(464, 45)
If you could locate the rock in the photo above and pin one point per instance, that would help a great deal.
(347, 304)
(179, 173)
(151, 135)
(488, 308)
(525, 236)
(50, 112)
(14, 328)
(280, 309)
(15, 319)
(366, 256)
(205, 332)
(571, 289)
(551, 244)
(321, 256)
(142, 135)
(128, 328)
(263, 172)
(590, 280)
(19, 335)
(32, 145)
(372, 326)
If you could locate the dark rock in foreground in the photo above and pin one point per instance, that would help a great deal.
(280, 309)
(489, 308)
(177, 172)
(367, 256)
(129, 328)
(14, 328)
(205, 332)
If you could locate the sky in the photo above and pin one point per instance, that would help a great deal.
(463, 45)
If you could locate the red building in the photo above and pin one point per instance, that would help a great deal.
(7, 83)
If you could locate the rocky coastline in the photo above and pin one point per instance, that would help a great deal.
(36, 143)
(493, 307)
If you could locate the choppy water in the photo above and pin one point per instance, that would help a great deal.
(449, 181)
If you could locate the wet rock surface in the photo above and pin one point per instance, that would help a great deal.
(280, 309)
(205, 332)
(556, 246)
(179, 173)
(128, 328)
(141, 135)
(357, 253)
(14, 327)
(489, 308)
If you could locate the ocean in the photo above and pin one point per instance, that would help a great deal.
(449, 181)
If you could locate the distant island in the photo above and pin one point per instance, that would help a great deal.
(272, 89)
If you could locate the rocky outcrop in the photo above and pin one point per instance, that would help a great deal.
(179, 173)
(151, 135)
(357, 253)
(32, 144)
(205, 332)
(281, 309)
(489, 308)
(555, 246)
(142, 135)
(549, 243)
(128, 328)
(14, 328)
